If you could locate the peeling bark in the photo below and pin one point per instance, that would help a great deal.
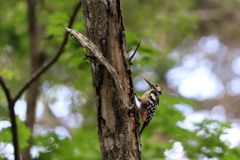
(117, 121)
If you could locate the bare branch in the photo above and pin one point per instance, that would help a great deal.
(44, 68)
(6, 89)
(135, 51)
(95, 51)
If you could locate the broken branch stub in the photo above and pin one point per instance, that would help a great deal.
(85, 42)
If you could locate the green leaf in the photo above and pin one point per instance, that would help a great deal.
(10, 75)
(5, 135)
(58, 22)
(24, 133)
(132, 40)
(58, 18)
(149, 50)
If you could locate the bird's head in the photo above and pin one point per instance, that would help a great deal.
(155, 86)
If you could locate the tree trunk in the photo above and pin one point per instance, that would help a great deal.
(37, 59)
(117, 121)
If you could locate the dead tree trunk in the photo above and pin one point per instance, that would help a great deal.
(117, 122)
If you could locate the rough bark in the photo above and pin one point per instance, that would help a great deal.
(117, 122)
(37, 59)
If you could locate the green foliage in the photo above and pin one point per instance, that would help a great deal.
(2, 158)
(162, 127)
(82, 145)
(166, 21)
(5, 134)
(170, 100)
(54, 147)
(8, 74)
(204, 141)
(23, 133)
(90, 144)
(57, 23)
(12, 36)
(146, 51)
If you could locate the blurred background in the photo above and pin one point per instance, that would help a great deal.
(189, 47)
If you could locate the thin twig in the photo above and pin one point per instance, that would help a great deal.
(42, 69)
(135, 51)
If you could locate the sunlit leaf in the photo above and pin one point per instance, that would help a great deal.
(10, 75)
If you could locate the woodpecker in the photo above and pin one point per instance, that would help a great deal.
(149, 103)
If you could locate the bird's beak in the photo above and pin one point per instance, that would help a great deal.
(150, 84)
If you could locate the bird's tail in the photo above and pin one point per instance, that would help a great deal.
(142, 128)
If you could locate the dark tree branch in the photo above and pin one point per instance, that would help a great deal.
(135, 51)
(12, 117)
(5, 89)
(45, 67)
